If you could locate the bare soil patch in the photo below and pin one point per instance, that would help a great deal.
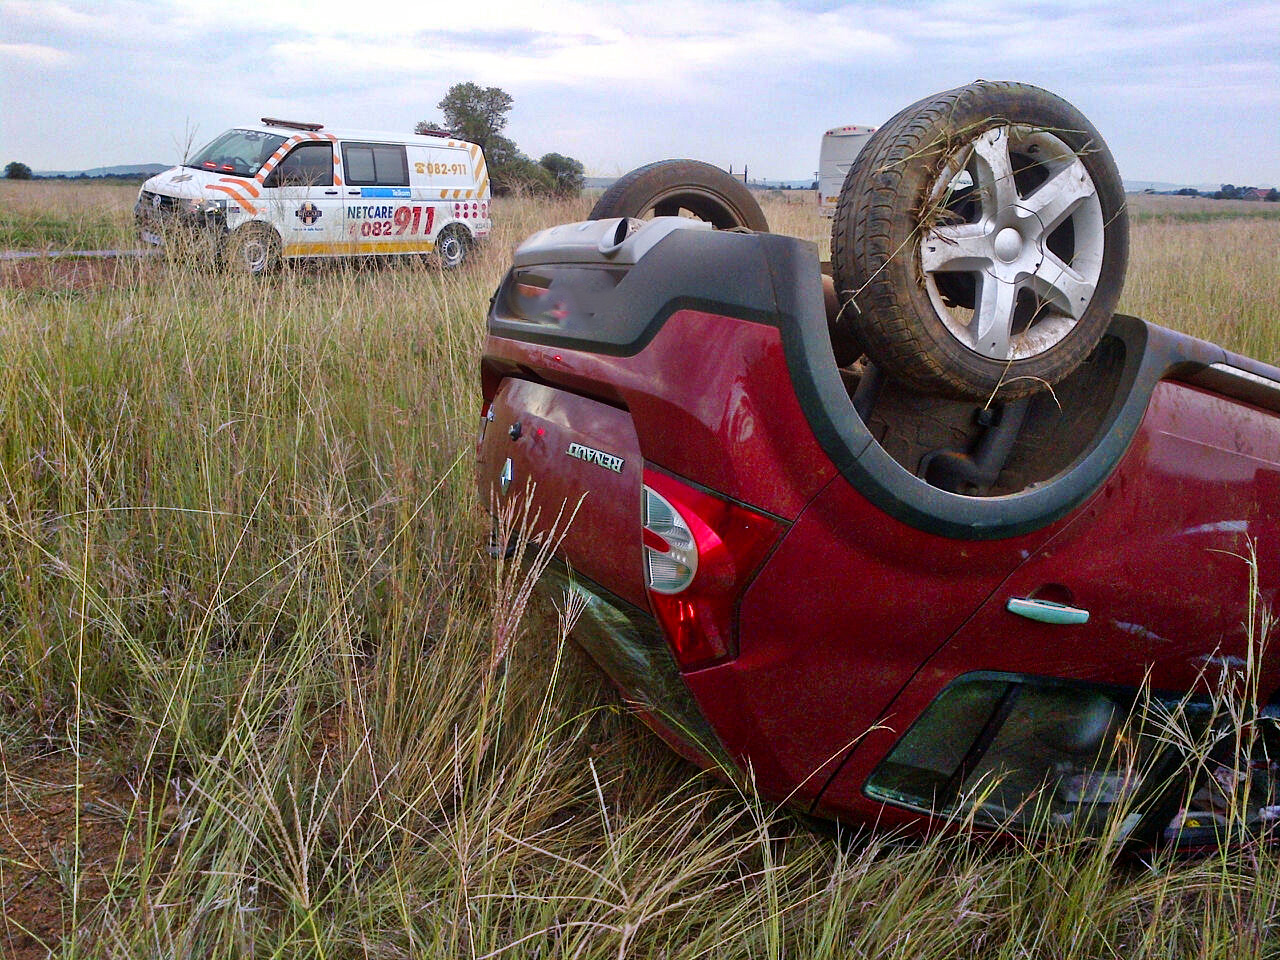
(73, 273)
(39, 838)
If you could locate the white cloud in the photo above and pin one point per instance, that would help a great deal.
(621, 82)
(566, 42)
(47, 14)
(35, 53)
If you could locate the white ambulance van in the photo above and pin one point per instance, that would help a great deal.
(282, 189)
(840, 146)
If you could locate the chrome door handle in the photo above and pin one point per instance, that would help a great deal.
(1046, 611)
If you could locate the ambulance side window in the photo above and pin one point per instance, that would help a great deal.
(375, 164)
(307, 165)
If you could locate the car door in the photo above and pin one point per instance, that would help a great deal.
(380, 214)
(1157, 562)
(1148, 583)
(305, 203)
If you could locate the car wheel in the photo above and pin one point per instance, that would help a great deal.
(254, 249)
(451, 247)
(983, 238)
(671, 188)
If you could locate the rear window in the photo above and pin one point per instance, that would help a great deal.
(375, 164)
(559, 296)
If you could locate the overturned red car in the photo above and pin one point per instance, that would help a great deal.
(917, 541)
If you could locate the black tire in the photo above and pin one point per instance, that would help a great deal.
(970, 289)
(452, 245)
(667, 187)
(253, 249)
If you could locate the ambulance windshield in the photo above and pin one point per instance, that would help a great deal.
(238, 152)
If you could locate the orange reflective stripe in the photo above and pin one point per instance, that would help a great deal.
(275, 157)
(337, 180)
(234, 195)
(247, 186)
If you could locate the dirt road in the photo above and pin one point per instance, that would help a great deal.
(70, 269)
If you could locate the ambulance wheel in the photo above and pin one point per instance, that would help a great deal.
(254, 249)
(671, 188)
(451, 247)
(983, 239)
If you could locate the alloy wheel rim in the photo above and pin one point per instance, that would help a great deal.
(696, 203)
(1014, 251)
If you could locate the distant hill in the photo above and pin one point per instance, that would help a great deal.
(604, 183)
(1137, 186)
(1159, 186)
(120, 170)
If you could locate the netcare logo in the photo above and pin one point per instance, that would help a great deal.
(591, 455)
(308, 213)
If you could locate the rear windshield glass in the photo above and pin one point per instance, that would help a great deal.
(238, 152)
(559, 296)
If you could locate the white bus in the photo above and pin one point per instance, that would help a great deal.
(840, 145)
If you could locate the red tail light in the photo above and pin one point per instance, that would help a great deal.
(700, 553)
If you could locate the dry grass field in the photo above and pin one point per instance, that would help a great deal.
(65, 215)
(263, 695)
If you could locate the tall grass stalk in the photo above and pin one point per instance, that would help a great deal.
(246, 612)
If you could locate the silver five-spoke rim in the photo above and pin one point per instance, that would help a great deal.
(1014, 251)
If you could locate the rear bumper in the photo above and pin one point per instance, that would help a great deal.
(627, 644)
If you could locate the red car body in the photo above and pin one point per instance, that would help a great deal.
(839, 597)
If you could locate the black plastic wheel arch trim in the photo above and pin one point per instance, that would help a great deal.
(768, 278)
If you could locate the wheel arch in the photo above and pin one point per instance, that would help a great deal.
(255, 222)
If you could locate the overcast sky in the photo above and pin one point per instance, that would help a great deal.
(1182, 91)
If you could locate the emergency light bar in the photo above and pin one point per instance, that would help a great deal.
(291, 124)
